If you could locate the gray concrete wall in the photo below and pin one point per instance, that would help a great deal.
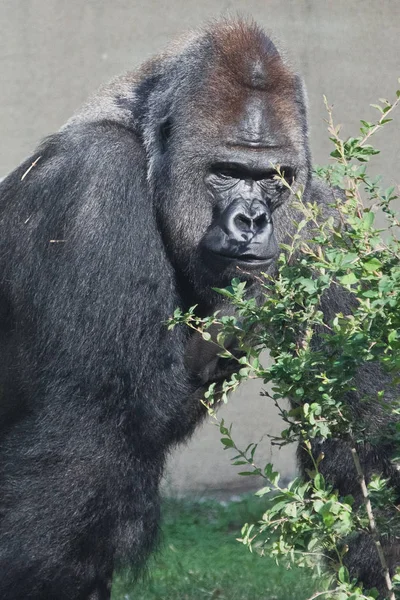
(54, 53)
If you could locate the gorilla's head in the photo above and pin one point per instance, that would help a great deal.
(222, 111)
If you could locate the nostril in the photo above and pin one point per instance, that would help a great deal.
(243, 222)
(261, 221)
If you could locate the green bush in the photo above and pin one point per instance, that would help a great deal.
(316, 358)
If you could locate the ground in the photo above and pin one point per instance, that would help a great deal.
(201, 559)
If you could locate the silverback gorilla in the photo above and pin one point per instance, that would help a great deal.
(156, 191)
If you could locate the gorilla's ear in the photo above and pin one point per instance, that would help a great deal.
(165, 133)
(154, 115)
(157, 136)
(302, 103)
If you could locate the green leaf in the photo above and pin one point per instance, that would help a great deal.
(263, 491)
(377, 107)
(369, 218)
(318, 505)
(227, 442)
(291, 510)
(223, 292)
(343, 575)
(372, 265)
(319, 482)
(370, 294)
(348, 279)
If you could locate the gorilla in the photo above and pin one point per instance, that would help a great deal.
(160, 188)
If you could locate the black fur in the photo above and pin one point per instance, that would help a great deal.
(99, 389)
(99, 243)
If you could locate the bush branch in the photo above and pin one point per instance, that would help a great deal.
(372, 524)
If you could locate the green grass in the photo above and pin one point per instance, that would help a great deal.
(201, 559)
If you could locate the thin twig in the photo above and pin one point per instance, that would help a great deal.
(35, 162)
(372, 524)
(379, 124)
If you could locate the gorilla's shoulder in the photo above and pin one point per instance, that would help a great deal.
(98, 146)
(100, 134)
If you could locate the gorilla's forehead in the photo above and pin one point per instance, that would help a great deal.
(256, 123)
(247, 91)
(249, 116)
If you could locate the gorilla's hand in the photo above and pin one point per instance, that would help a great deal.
(202, 357)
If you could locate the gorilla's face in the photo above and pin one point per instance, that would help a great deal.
(218, 210)
(245, 193)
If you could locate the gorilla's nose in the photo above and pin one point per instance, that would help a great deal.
(247, 220)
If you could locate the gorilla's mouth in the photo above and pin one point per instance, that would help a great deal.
(247, 258)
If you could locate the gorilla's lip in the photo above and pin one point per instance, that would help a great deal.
(246, 258)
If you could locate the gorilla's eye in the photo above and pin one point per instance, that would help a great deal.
(273, 181)
(288, 174)
(165, 133)
(229, 172)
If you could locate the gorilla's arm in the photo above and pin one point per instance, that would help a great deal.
(87, 262)
(99, 386)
